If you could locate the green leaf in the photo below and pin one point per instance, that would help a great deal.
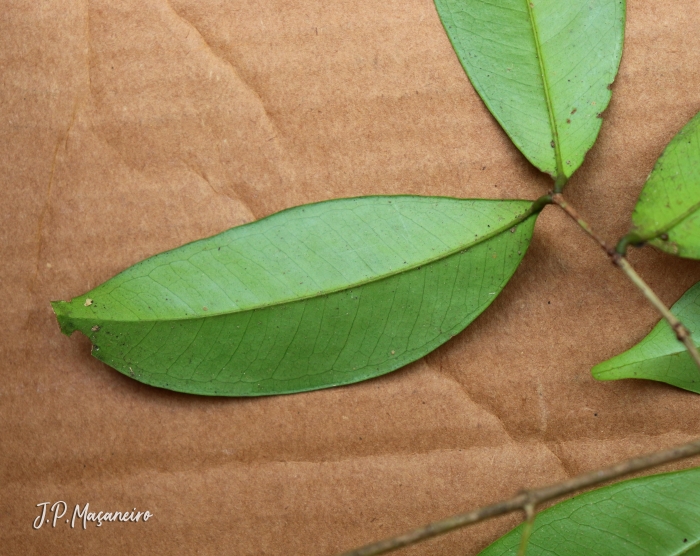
(543, 68)
(667, 214)
(656, 515)
(660, 356)
(314, 296)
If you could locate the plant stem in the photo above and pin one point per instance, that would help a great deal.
(529, 499)
(682, 333)
(620, 261)
(558, 199)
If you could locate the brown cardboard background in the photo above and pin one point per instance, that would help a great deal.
(132, 127)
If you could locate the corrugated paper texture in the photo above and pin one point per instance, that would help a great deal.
(131, 127)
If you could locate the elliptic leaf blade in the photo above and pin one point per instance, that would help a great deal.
(650, 515)
(667, 214)
(311, 297)
(660, 356)
(543, 68)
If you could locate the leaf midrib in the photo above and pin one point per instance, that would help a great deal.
(671, 224)
(497, 231)
(638, 361)
(559, 166)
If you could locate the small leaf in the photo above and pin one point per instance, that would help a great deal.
(651, 515)
(543, 68)
(667, 214)
(660, 356)
(315, 296)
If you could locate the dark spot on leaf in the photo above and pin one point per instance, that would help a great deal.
(568, 121)
(552, 143)
(573, 111)
(599, 115)
(664, 237)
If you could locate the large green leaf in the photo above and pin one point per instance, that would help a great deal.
(660, 356)
(667, 214)
(543, 68)
(315, 296)
(651, 516)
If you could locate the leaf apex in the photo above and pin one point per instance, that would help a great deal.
(62, 312)
(600, 371)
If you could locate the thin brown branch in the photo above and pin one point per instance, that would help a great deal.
(682, 333)
(558, 199)
(530, 499)
(619, 260)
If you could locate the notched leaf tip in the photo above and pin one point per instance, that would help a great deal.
(60, 309)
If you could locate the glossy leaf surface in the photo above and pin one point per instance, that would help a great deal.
(660, 356)
(651, 515)
(543, 68)
(667, 214)
(315, 296)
